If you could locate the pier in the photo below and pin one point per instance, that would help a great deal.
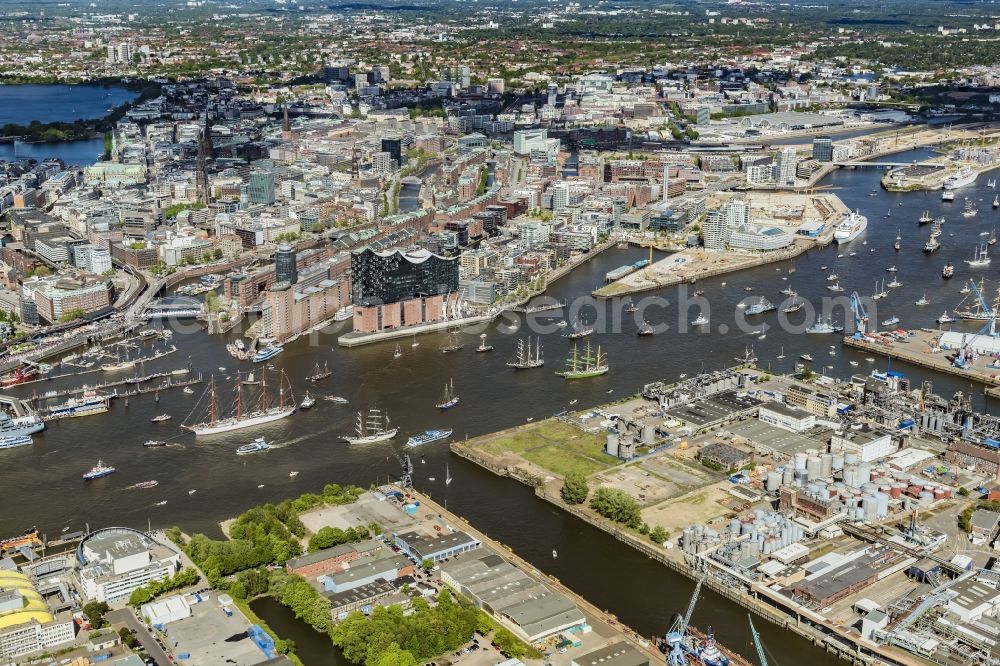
(921, 350)
(131, 381)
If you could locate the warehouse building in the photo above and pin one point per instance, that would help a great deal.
(436, 548)
(116, 561)
(27, 624)
(521, 603)
(792, 419)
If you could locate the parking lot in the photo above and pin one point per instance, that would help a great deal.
(212, 637)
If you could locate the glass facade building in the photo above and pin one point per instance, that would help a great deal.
(389, 277)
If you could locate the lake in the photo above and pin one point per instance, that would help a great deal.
(58, 103)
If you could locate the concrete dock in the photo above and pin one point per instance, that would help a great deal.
(922, 349)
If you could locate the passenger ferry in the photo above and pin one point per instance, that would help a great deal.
(99, 470)
(267, 353)
(14, 441)
(253, 447)
(961, 178)
(850, 228)
(427, 437)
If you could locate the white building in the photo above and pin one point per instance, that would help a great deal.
(533, 233)
(720, 224)
(119, 560)
(975, 599)
(92, 258)
(119, 54)
(788, 418)
(868, 443)
(756, 238)
(787, 162)
(166, 610)
(381, 162)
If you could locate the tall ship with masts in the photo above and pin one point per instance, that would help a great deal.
(524, 358)
(371, 428)
(588, 364)
(245, 413)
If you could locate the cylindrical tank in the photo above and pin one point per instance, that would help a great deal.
(938, 493)
(826, 465)
(870, 505)
(800, 460)
(734, 526)
(648, 435)
(814, 467)
(801, 476)
(883, 504)
(896, 490)
(851, 476)
(838, 461)
(859, 514)
(850, 458)
(773, 482)
(864, 473)
(788, 475)
(926, 497)
(612, 447)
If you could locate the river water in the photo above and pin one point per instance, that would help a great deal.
(45, 478)
(46, 103)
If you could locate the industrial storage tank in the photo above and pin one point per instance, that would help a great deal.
(814, 467)
(850, 458)
(800, 460)
(826, 465)
(648, 434)
(612, 446)
(838, 461)
(864, 473)
(735, 526)
(870, 505)
(883, 504)
(859, 514)
(787, 475)
(773, 482)
(851, 476)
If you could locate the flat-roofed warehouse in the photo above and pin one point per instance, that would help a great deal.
(706, 413)
(523, 604)
(790, 120)
(780, 444)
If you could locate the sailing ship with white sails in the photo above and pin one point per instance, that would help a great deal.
(371, 428)
(524, 359)
(253, 413)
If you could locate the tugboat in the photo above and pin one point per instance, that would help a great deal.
(922, 301)
(891, 321)
(645, 328)
(823, 327)
(948, 271)
(898, 242)
(307, 402)
(945, 318)
(483, 346)
(700, 320)
(98, 471)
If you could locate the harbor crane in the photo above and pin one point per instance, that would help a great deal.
(860, 314)
(757, 643)
(675, 637)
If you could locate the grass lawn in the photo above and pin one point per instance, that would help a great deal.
(556, 446)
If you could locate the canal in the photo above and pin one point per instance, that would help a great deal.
(644, 595)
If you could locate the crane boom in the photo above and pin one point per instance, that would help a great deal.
(756, 642)
(860, 314)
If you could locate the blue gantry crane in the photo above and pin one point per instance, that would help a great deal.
(675, 637)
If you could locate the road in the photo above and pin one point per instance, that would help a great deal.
(152, 648)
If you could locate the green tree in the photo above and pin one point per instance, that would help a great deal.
(395, 656)
(427, 564)
(95, 612)
(574, 490)
(618, 506)
(658, 535)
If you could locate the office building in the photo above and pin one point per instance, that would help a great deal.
(758, 238)
(284, 265)
(395, 149)
(289, 311)
(118, 560)
(119, 54)
(57, 296)
(260, 187)
(781, 416)
(381, 162)
(787, 161)
(822, 149)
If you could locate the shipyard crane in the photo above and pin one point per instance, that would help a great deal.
(675, 637)
(757, 643)
(860, 314)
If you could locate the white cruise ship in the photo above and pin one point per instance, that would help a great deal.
(961, 178)
(850, 227)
